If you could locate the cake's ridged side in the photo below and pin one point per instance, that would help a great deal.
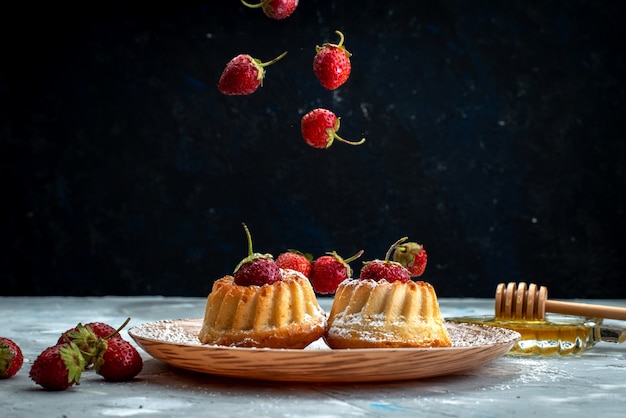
(244, 312)
(382, 314)
(279, 304)
(225, 308)
(298, 305)
(355, 299)
(262, 315)
(284, 314)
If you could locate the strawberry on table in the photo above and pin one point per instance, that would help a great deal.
(385, 269)
(275, 9)
(329, 270)
(89, 338)
(331, 64)
(244, 74)
(295, 260)
(256, 269)
(11, 358)
(58, 367)
(319, 129)
(412, 256)
(119, 362)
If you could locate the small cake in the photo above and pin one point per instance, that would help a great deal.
(282, 314)
(370, 313)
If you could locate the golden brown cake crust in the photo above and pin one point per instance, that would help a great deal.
(379, 314)
(284, 314)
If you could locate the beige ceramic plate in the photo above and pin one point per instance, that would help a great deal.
(175, 342)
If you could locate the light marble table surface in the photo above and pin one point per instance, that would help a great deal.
(588, 384)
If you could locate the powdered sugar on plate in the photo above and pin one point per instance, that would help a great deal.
(185, 332)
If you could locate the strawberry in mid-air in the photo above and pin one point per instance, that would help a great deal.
(275, 9)
(385, 269)
(295, 260)
(256, 269)
(331, 64)
(319, 129)
(244, 74)
(11, 358)
(412, 256)
(119, 362)
(329, 270)
(58, 367)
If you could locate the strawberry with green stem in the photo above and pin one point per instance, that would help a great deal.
(89, 338)
(256, 269)
(412, 256)
(329, 270)
(244, 75)
(386, 269)
(275, 9)
(58, 367)
(11, 358)
(331, 64)
(119, 362)
(319, 129)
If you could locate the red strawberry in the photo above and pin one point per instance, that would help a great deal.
(412, 256)
(295, 260)
(58, 367)
(11, 358)
(244, 74)
(329, 270)
(275, 9)
(331, 64)
(120, 361)
(89, 338)
(256, 269)
(319, 129)
(384, 269)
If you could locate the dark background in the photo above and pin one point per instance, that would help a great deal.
(495, 137)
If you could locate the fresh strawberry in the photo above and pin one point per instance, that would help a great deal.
(412, 256)
(120, 361)
(331, 64)
(295, 260)
(256, 269)
(58, 367)
(385, 269)
(319, 129)
(275, 9)
(89, 338)
(11, 358)
(329, 270)
(244, 74)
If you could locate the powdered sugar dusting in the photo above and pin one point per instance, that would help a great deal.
(171, 331)
(185, 332)
(468, 335)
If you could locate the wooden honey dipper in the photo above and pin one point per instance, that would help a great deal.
(521, 301)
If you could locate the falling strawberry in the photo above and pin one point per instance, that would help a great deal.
(412, 256)
(275, 9)
(256, 269)
(11, 358)
(244, 74)
(329, 270)
(119, 362)
(319, 129)
(331, 64)
(58, 367)
(385, 269)
(295, 260)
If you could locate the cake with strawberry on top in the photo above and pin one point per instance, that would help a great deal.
(262, 305)
(384, 308)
